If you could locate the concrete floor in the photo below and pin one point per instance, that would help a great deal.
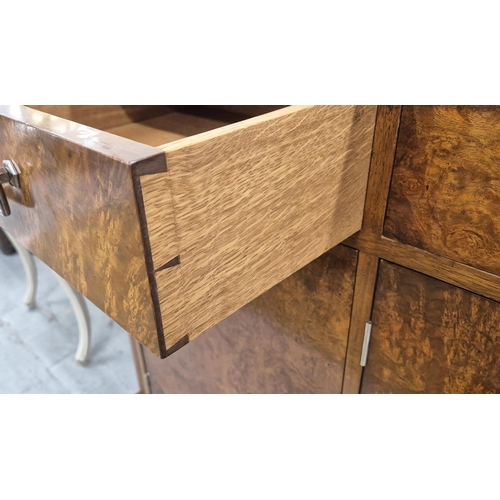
(37, 346)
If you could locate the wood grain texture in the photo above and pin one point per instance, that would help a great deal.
(445, 191)
(254, 202)
(240, 208)
(450, 271)
(157, 191)
(430, 337)
(381, 164)
(292, 339)
(248, 110)
(379, 178)
(166, 128)
(366, 277)
(229, 114)
(77, 211)
(103, 117)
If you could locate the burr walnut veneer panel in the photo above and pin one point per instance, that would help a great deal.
(431, 337)
(445, 192)
(77, 211)
(291, 339)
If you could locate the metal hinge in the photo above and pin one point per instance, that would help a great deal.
(366, 343)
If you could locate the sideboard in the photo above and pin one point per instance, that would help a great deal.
(273, 249)
(421, 280)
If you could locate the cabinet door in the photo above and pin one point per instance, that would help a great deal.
(431, 337)
(291, 339)
(444, 195)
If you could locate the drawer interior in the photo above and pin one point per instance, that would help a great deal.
(156, 125)
(178, 216)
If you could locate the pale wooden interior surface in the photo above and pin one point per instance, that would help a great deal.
(250, 110)
(151, 125)
(166, 128)
(246, 206)
(103, 117)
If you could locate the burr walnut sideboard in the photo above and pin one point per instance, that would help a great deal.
(422, 276)
(321, 249)
(171, 218)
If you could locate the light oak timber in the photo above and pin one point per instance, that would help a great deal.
(442, 268)
(229, 114)
(251, 110)
(253, 202)
(103, 117)
(166, 128)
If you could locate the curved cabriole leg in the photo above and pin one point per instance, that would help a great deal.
(82, 317)
(76, 299)
(29, 269)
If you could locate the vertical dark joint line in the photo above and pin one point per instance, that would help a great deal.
(393, 164)
(156, 164)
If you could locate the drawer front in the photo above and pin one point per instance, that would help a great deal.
(444, 195)
(170, 250)
(77, 211)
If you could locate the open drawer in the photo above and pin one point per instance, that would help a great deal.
(175, 217)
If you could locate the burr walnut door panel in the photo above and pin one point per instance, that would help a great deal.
(445, 191)
(291, 339)
(431, 337)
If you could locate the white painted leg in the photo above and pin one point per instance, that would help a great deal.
(82, 317)
(29, 269)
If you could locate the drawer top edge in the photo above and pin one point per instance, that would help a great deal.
(254, 121)
(232, 127)
(117, 148)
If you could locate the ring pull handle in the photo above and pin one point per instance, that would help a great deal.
(9, 174)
